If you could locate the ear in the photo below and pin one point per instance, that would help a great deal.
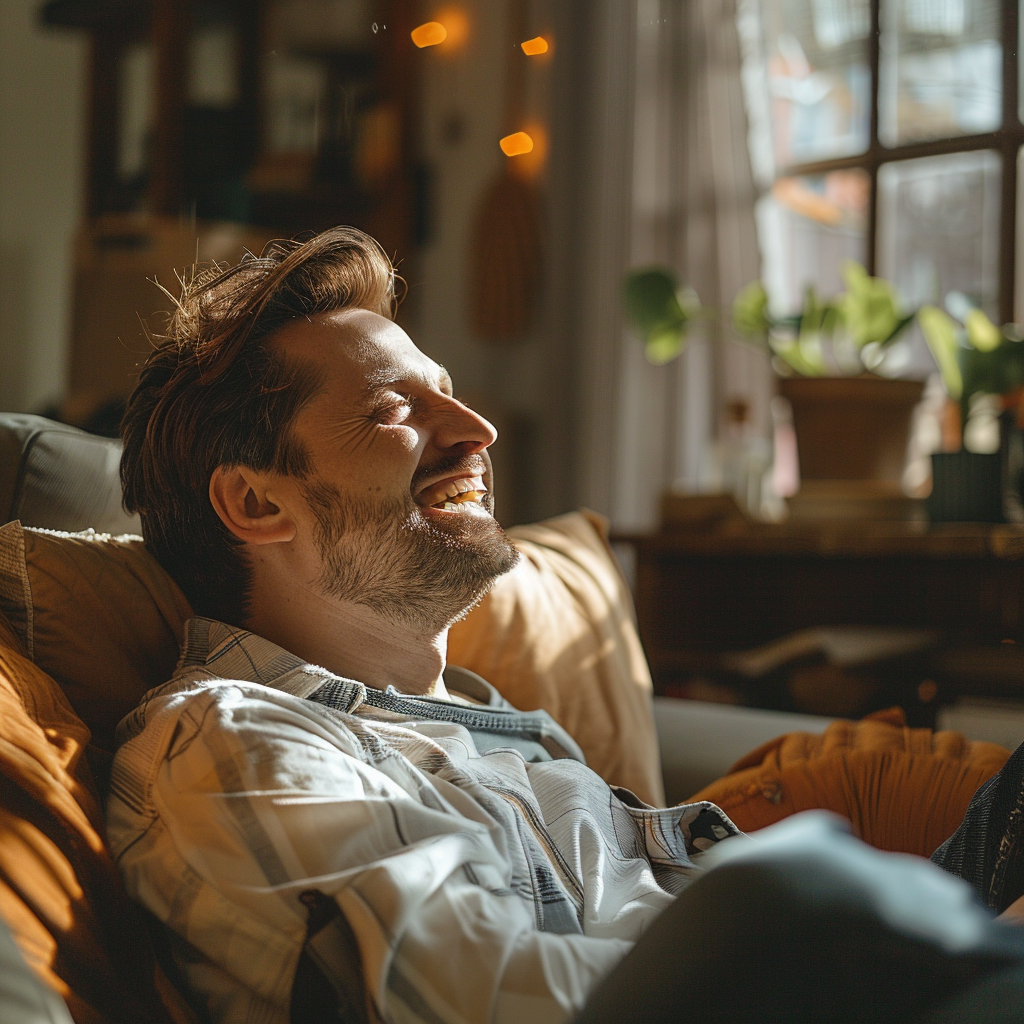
(241, 499)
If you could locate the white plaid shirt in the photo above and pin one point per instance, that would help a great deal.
(478, 879)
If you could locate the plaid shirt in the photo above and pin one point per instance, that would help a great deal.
(481, 870)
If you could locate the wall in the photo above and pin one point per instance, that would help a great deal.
(42, 128)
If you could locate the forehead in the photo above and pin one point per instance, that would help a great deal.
(356, 350)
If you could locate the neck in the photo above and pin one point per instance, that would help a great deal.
(352, 640)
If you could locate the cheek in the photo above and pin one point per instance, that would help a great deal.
(384, 465)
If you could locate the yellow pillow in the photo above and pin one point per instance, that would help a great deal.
(95, 612)
(557, 633)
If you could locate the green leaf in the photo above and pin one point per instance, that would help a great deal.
(941, 333)
(804, 359)
(652, 301)
(995, 372)
(868, 309)
(662, 347)
(981, 332)
(659, 311)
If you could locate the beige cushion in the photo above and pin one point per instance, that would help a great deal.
(557, 633)
(97, 613)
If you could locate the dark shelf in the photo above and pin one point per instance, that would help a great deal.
(124, 16)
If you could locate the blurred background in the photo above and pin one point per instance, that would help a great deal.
(140, 133)
(522, 161)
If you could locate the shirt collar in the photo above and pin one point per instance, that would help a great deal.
(230, 652)
(233, 653)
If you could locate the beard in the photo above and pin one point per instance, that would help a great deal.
(385, 555)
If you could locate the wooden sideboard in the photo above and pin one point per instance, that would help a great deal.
(701, 593)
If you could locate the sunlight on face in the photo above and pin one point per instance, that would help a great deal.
(399, 500)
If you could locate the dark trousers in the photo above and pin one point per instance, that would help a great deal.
(803, 923)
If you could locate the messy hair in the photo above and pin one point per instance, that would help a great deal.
(214, 392)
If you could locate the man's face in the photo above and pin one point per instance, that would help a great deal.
(398, 502)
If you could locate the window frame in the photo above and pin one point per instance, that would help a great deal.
(1007, 140)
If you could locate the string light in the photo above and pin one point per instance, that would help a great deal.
(429, 34)
(516, 144)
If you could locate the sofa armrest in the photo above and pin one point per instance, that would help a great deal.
(700, 741)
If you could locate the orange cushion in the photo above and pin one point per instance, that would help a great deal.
(557, 633)
(59, 890)
(903, 789)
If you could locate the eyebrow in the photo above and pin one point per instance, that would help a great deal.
(385, 379)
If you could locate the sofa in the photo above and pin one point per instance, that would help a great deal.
(89, 621)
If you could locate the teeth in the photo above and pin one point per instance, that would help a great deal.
(454, 501)
(456, 506)
(461, 489)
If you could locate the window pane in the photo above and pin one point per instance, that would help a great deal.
(818, 77)
(941, 69)
(938, 231)
(938, 227)
(810, 226)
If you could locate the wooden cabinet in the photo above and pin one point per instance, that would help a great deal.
(700, 595)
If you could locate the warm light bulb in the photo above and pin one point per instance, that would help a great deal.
(534, 46)
(517, 144)
(429, 34)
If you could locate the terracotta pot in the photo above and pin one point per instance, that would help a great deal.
(852, 428)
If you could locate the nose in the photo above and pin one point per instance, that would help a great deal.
(458, 425)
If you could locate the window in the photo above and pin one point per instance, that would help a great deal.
(889, 132)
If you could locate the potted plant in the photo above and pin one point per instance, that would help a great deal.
(852, 423)
(982, 368)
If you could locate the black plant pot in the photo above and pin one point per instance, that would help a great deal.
(966, 488)
(971, 488)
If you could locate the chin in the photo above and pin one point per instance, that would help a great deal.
(469, 534)
(424, 567)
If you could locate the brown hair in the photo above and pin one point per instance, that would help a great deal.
(214, 393)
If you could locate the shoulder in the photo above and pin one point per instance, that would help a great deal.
(198, 702)
(211, 733)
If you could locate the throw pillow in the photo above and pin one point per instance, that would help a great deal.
(95, 612)
(904, 790)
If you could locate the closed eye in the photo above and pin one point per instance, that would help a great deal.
(394, 409)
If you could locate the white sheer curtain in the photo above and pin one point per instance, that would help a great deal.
(650, 165)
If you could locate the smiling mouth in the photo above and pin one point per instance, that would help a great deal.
(457, 494)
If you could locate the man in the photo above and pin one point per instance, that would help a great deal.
(335, 825)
